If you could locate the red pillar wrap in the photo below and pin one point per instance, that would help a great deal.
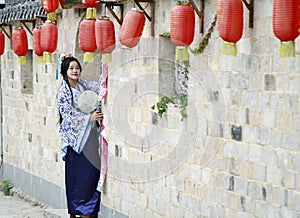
(2, 43)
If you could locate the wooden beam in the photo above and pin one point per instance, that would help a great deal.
(151, 17)
(110, 7)
(200, 13)
(250, 7)
(29, 30)
(8, 35)
(137, 2)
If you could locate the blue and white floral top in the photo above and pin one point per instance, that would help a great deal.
(76, 125)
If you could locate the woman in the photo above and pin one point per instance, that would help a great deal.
(80, 141)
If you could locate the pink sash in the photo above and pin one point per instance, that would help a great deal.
(104, 150)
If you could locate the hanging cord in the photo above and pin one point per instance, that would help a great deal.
(103, 10)
(1, 135)
(204, 42)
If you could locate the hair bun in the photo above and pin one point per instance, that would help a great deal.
(63, 56)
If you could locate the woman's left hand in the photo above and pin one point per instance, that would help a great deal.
(97, 116)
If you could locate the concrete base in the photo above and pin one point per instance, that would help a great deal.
(46, 192)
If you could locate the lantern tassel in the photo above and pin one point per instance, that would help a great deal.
(22, 60)
(229, 48)
(182, 53)
(51, 16)
(47, 57)
(106, 58)
(287, 49)
(40, 60)
(88, 57)
(91, 13)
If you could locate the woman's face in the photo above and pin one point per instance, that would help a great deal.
(73, 72)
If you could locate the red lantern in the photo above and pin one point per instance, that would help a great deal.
(230, 24)
(2, 43)
(90, 3)
(62, 3)
(37, 44)
(87, 39)
(50, 7)
(105, 37)
(20, 44)
(286, 24)
(91, 11)
(132, 28)
(182, 25)
(182, 29)
(66, 4)
(49, 38)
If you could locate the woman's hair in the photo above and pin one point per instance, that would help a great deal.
(63, 71)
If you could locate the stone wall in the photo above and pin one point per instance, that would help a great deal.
(236, 153)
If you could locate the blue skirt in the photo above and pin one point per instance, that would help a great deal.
(81, 178)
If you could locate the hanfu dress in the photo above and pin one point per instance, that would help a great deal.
(80, 149)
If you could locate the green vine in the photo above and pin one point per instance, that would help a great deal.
(204, 42)
(6, 186)
(166, 34)
(180, 100)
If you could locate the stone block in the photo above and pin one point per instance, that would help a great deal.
(286, 212)
(256, 82)
(236, 132)
(270, 82)
(273, 211)
(259, 172)
(295, 83)
(269, 118)
(295, 162)
(260, 209)
(293, 199)
(254, 190)
(284, 120)
(282, 82)
(274, 175)
(263, 136)
(276, 138)
(263, 100)
(291, 141)
(255, 153)
(251, 64)
(264, 64)
(289, 179)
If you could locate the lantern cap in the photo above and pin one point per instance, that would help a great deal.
(50, 21)
(104, 18)
(137, 10)
(18, 28)
(183, 3)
